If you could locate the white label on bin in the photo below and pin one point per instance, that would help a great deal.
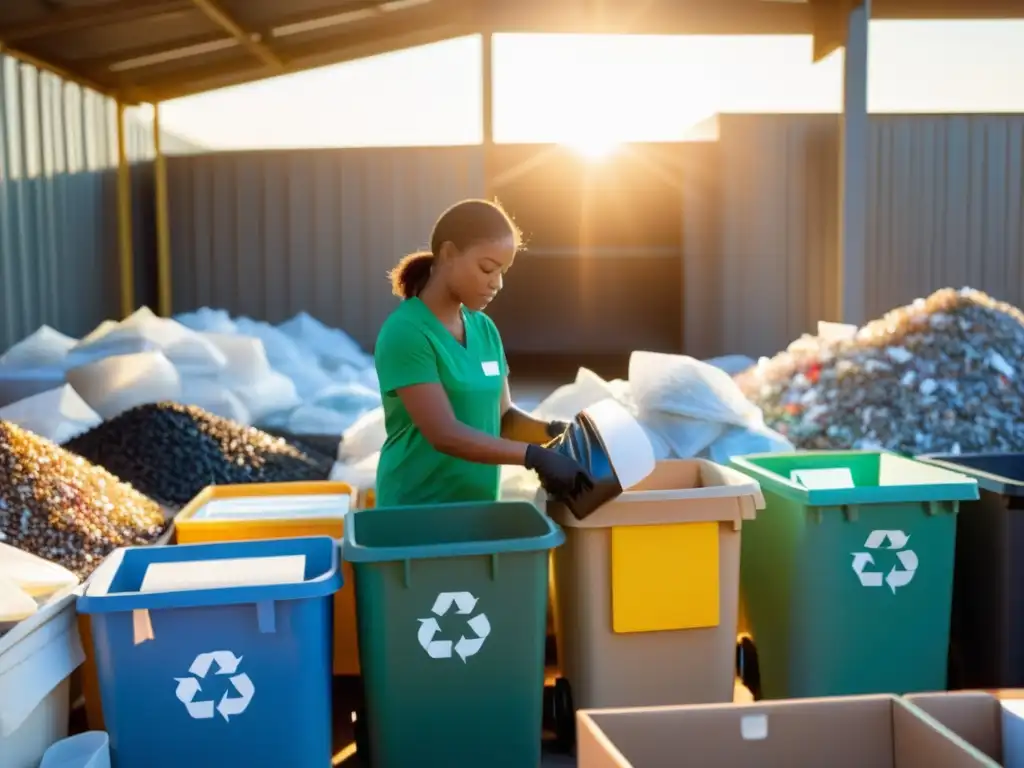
(823, 479)
(754, 727)
(233, 702)
(472, 638)
(903, 569)
(228, 572)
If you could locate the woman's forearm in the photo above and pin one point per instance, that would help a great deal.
(470, 444)
(518, 425)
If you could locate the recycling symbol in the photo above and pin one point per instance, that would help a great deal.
(898, 576)
(190, 687)
(469, 644)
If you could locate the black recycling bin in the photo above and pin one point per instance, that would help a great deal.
(986, 639)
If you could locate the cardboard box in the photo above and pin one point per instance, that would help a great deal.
(842, 732)
(993, 726)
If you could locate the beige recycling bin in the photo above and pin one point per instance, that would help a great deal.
(647, 592)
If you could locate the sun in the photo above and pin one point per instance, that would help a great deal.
(593, 147)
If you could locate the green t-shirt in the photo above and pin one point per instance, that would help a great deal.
(414, 347)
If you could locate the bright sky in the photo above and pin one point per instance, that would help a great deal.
(566, 87)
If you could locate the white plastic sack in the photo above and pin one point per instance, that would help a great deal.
(208, 320)
(568, 400)
(44, 348)
(15, 603)
(314, 420)
(685, 386)
(732, 364)
(58, 414)
(19, 383)
(37, 577)
(214, 397)
(288, 357)
(246, 358)
(273, 394)
(366, 436)
(360, 474)
(116, 384)
(332, 347)
(518, 484)
(740, 441)
(282, 351)
(189, 352)
(354, 399)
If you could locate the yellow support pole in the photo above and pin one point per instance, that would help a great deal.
(124, 216)
(163, 222)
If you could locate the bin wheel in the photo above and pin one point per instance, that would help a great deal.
(563, 716)
(362, 737)
(747, 667)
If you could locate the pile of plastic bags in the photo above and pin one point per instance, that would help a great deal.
(301, 377)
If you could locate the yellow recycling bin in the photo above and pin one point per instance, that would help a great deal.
(280, 511)
(647, 592)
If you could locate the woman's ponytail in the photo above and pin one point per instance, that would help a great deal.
(410, 275)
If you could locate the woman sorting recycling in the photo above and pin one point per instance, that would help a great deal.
(443, 375)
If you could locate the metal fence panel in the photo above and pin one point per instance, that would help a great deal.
(269, 234)
(58, 225)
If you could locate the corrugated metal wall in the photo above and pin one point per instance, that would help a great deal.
(269, 234)
(58, 203)
(760, 225)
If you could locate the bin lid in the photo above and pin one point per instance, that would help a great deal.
(228, 573)
(878, 477)
(275, 508)
(387, 534)
(1001, 473)
(677, 491)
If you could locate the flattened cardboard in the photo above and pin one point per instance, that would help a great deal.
(992, 726)
(842, 732)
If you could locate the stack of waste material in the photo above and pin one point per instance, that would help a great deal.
(58, 506)
(171, 452)
(943, 374)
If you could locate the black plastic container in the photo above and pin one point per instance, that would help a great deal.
(986, 639)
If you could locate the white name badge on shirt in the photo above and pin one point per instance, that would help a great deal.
(491, 368)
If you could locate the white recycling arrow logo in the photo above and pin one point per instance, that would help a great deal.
(897, 577)
(466, 646)
(204, 709)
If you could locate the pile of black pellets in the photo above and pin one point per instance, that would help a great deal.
(170, 452)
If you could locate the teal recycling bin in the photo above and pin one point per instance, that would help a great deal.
(847, 574)
(451, 604)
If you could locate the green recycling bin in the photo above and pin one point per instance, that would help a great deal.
(847, 574)
(451, 603)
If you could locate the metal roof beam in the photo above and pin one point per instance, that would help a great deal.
(430, 23)
(99, 66)
(74, 19)
(250, 41)
(654, 17)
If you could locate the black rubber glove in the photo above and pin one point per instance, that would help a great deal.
(560, 475)
(556, 428)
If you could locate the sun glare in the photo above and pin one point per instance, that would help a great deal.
(592, 147)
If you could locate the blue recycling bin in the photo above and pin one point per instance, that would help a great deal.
(210, 654)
